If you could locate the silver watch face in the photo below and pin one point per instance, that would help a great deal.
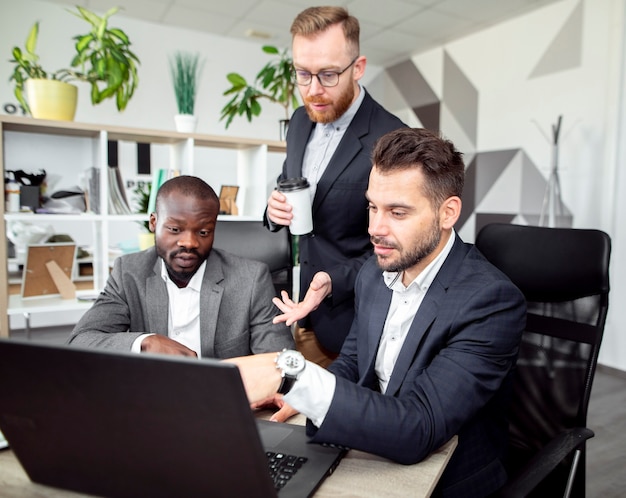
(291, 362)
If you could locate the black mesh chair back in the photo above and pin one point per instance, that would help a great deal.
(250, 239)
(564, 274)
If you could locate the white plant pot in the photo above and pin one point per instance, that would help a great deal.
(185, 123)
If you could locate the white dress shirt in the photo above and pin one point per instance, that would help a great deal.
(405, 302)
(183, 317)
(324, 142)
(322, 145)
(313, 392)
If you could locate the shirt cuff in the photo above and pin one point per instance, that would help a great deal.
(136, 347)
(312, 393)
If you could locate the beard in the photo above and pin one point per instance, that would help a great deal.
(407, 259)
(341, 105)
(183, 276)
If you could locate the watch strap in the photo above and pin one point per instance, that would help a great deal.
(286, 384)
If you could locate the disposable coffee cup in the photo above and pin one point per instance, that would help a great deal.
(296, 190)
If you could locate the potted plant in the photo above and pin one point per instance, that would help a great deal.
(274, 83)
(142, 201)
(103, 59)
(185, 69)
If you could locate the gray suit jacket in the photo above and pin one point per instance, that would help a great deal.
(236, 309)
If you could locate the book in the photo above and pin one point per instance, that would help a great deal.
(92, 190)
(159, 177)
(118, 203)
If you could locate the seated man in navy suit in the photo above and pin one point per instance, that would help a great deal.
(431, 350)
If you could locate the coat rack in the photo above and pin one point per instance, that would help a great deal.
(552, 202)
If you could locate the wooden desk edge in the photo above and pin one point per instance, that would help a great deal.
(446, 451)
(15, 479)
(438, 459)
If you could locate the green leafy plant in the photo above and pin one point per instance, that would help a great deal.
(185, 69)
(274, 83)
(103, 59)
(142, 201)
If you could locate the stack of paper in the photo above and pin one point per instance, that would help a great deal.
(118, 203)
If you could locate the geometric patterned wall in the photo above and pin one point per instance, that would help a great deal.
(500, 185)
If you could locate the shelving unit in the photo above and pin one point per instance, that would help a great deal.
(251, 172)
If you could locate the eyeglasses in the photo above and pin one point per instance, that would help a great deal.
(326, 78)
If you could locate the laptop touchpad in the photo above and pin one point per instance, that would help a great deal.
(273, 433)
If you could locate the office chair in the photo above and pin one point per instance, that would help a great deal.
(250, 239)
(564, 275)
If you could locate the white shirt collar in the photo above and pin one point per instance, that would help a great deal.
(393, 279)
(345, 119)
(196, 281)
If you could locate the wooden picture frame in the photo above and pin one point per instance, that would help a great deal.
(48, 270)
(228, 196)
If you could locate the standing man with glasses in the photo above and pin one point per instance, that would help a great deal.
(329, 141)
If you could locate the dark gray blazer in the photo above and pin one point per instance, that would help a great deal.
(339, 243)
(236, 309)
(452, 375)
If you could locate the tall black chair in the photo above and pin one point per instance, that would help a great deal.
(564, 275)
(250, 239)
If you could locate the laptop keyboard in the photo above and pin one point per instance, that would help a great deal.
(283, 467)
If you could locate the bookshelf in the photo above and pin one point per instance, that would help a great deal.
(86, 146)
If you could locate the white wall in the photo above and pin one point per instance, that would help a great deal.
(516, 111)
(614, 347)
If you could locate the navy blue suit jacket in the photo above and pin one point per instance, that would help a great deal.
(452, 375)
(339, 243)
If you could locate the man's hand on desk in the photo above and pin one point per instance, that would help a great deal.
(260, 376)
(164, 345)
(284, 412)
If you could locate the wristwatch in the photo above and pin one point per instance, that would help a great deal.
(291, 364)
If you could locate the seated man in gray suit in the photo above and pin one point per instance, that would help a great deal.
(183, 297)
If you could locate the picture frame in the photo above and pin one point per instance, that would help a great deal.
(48, 270)
(228, 198)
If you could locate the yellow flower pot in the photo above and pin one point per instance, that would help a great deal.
(51, 99)
(146, 240)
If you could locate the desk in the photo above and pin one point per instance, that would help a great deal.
(358, 475)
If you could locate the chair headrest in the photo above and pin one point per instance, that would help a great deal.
(549, 264)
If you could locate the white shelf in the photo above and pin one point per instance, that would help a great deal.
(36, 217)
(89, 141)
(19, 305)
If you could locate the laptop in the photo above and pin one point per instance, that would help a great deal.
(128, 425)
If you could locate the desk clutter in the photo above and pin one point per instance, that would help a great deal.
(27, 192)
(23, 190)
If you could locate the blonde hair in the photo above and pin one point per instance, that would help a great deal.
(315, 20)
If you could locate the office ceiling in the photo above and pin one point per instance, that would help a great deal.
(391, 30)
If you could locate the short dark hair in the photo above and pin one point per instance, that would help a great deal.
(315, 20)
(438, 159)
(187, 185)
